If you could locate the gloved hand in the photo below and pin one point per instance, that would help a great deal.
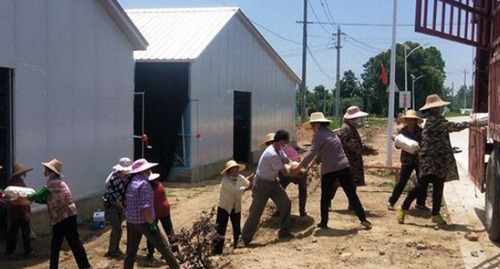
(153, 227)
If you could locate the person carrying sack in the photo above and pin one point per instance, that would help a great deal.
(437, 163)
(326, 148)
(266, 186)
(409, 161)
(20, 216)
(63, 215)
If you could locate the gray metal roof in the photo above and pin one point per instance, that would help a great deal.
(178, 34)
(181, 34)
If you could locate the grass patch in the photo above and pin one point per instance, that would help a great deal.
(451, 114)
(392, 184)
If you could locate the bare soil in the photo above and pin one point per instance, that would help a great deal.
(417, 244)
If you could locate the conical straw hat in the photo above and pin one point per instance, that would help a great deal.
(315, 117)
(55, 165)
(411, 114)
(20, 168)
(432, 101)
(269, 138)
(231, 164)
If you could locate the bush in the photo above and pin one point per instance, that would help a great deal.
(197, 243)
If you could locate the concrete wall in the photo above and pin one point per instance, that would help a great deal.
(236, 61)
(73, 93)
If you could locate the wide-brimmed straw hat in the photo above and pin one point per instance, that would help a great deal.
(316, 117)
(353, 112)
(142, 165)
(432, 101)
(124, 165)
(411, 114)
(55, 166)
(20, 168)
(268, 138)
(231, 164)
(153, 176)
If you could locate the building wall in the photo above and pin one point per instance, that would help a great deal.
(236, 61)
(74, 83)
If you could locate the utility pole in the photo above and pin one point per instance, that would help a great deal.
(465, 89)
(337, 85)
(304, 64)
(392, 87)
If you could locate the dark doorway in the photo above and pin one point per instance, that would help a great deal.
(6, 102)
(165, 88)
(242, 133)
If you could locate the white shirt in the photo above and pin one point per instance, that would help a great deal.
(270, 163)
(231, 191)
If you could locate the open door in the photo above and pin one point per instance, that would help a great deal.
(6, 136)
(242, 126)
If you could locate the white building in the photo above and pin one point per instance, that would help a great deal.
(219, 72)
(66, 89)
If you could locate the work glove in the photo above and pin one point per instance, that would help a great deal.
(153, 227)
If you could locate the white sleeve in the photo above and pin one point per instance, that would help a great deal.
(276, 163)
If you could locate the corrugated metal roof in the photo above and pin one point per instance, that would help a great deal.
(178, 34)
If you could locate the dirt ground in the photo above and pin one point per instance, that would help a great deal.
(417, 244)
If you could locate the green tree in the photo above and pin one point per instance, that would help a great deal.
(457, 102)
(427, 62)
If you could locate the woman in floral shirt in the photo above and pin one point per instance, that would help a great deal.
(62, 210)
(114, 205)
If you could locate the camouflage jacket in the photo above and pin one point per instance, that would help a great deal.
(436, 154)
(354, 149)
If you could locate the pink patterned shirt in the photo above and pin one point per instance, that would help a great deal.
(59, 201)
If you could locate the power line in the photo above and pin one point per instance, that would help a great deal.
(296, 54)
(318, 65)
(330, 20)
(359, 47)
(325, 46)
(329, 12)
(316, 16)
(363, 43)
(274, 33)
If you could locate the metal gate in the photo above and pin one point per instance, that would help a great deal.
(477, 166)
(468, 22)
(462, 21)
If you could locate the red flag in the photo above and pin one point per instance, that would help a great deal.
(383, 74)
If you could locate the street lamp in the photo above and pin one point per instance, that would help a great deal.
(413, 88)
(406, 47)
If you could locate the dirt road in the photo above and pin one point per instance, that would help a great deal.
(417, 244)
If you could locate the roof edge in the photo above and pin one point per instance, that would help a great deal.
(164, 60)
(125, 24)
(170, 10)
(267, 46)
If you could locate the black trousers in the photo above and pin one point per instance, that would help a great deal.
(67, 229)
(302, 184)
(15, 226)
(222, 220)
(327, 186)
(334, 192)
(406, 171)
(437, 195)
(168, 227)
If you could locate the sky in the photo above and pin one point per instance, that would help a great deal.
(277, 22)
